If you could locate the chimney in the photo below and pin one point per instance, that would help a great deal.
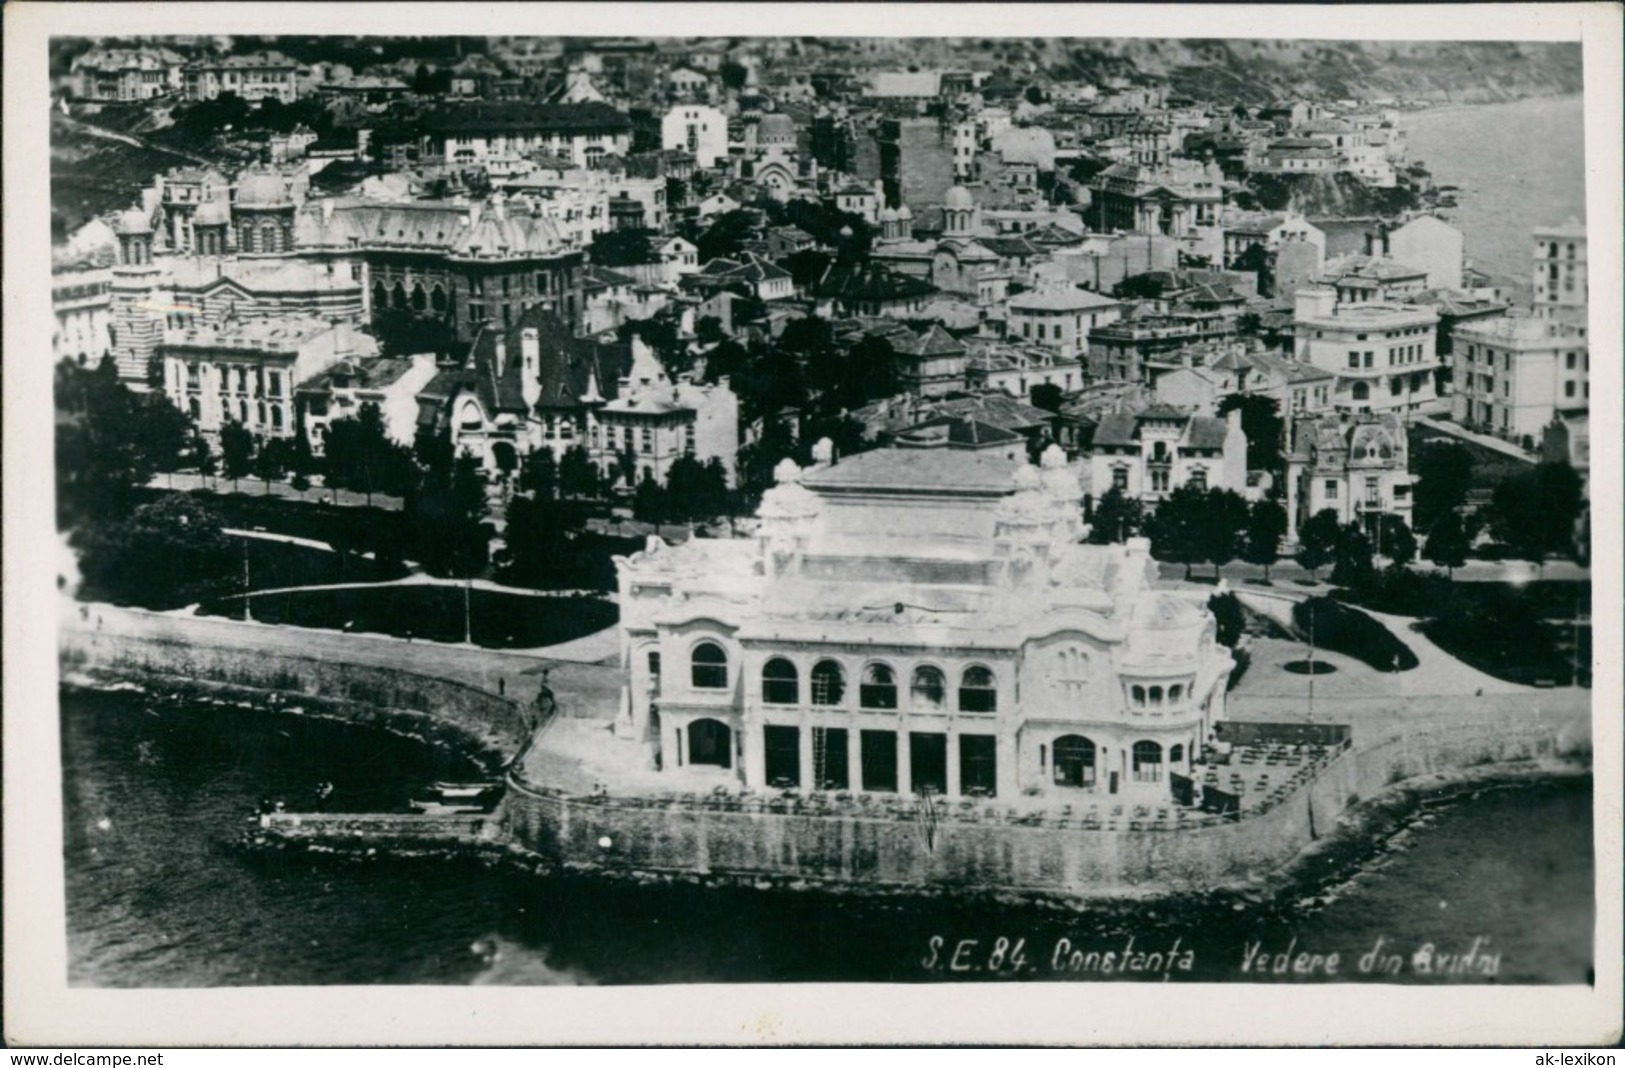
(327, 210)
(502, 354)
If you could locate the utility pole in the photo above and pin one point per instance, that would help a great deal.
(468, 619)
(1311, 663)
(248, 596)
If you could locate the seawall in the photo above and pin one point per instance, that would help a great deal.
(963, 856)
(489, 728)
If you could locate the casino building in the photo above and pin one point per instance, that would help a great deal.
(917, 620)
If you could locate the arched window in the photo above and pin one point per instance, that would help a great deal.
(781, 685)
(709, 667)
(397, 296)
(878, 688)
(1074, 761)
(710, 742)
(1175, 693)
(828, 683)
(1147, 762)
(380, 296)
(268, 236)
(1176, 755)
(1361, 391)
(245, 239)
(437, 299)
(929, 690)
(419, 298)
(977, 692)
(1156, 696)
(1138, 694)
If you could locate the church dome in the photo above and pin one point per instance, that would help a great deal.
(261, 189)
(888, 215)
(212, 213)
(959, 199)
(904, 214)
(134, 221)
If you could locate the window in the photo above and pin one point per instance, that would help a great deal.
(977, 691)
(1198, 479)
(929, 690)
(1331, 489)
(709, 667)
(878, 755)
(878, 687)
(1074, 763)
(1361, 391)
(1568, 389)
(1147, 762)
(1568, 361)
(828, 683)
(1159, 481)
(780, 683)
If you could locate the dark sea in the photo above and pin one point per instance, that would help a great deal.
(1518, 166)
(159, 895)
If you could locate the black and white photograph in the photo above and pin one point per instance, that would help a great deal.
(965, 503)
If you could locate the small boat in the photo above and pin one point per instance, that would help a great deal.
(457, 798)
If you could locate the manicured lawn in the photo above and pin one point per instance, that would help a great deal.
(300, 519)
(278, 564)
(499, 620)
(1352, 633)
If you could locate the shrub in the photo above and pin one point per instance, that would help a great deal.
(1352, 633)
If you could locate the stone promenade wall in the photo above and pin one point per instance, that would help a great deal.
(882, 854)
(435, 709)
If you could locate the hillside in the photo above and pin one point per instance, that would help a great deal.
(1257, 71)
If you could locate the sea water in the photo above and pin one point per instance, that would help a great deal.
(158, 895)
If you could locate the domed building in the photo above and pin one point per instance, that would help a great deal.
(262, 213)
(917, 620)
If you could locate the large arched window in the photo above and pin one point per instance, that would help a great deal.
(268, 236)
(878, 689)
(709, 665)
(828, 683)
(929, 690)
(781, 685)
(437, 299)
(977, 692)
(1074, 761)
(1147, 762)
(1361, 391)
(397, 296)
(710, 742)
(420, 299)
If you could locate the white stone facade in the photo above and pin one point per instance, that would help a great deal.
(917, 621)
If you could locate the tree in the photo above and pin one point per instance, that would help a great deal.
(110, 441)
(1534, 511)
(649, 501)
(1034, 95)
(236, 451)
(167, 554)
(539, 475)
(708, 330)
(1266, 526)
(733, 75)
(577, 475)
(684, 489)
(1223, 520)
(713, 488)
(272, 459)
(445, 513)
(1317, 540)
(1139, 287)
(1228, 617)
(1048, 396)
(1352, 563)
(623, 248)
(404, 332)
(1261, 422)
(1115, 517)
(1177, 528)
(1395, 540)
(1447, 543)
(1444, 472)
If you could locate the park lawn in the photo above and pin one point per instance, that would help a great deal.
(434, 613)
(276, 565)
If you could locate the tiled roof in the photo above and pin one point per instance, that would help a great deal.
(1061, 300)
(517, 116)
(927, 469)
